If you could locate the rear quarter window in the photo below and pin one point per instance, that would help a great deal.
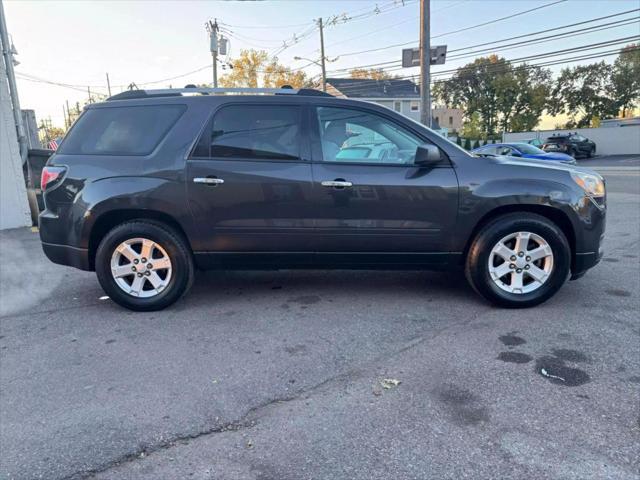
(128, 130)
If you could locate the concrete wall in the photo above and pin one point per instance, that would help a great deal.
(609, 140)
(14, 208)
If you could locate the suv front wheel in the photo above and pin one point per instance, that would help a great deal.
(518, 260)
(144, 265)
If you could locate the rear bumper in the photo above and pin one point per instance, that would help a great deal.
(67, 255)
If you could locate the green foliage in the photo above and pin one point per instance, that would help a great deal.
(467, 144)
(585, 92)
(503, 96)
(459, 140)
(472, 127)
(625, 79)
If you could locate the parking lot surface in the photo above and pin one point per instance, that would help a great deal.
(323, 375)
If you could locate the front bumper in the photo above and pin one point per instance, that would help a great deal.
(67, 255)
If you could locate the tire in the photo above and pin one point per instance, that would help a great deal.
(501, 291)
(592, 152)
(171, 278)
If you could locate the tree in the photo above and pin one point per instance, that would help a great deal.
(584, 90)
(522, 94)
(505, 97)
(467, 144)
(276, 75)
(473, 88)
(373, 73)
(625, 79)
(471, 128)
(254, 69)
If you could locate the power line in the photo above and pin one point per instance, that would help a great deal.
(455, 31)
(588, 30)
(508, 17)
(501, 67)
(547, 30)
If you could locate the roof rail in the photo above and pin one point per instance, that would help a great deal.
(173, 92)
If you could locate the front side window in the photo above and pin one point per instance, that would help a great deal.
(133, 130)
(348, 135)
(252, 132)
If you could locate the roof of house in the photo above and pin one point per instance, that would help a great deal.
(367, 88)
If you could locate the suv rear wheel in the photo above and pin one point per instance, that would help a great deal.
(144, 265)
(518, 260)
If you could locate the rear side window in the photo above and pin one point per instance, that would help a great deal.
(121, 130)
(252, 132)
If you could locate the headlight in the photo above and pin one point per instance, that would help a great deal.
(592, 184)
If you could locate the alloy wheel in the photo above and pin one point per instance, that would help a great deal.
(521, 262)
(141, 267)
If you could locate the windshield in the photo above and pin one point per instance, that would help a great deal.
(528, 149)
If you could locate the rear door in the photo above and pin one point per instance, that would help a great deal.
(370, 197)
(248, 184)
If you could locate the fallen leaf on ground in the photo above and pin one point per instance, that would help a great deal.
(388, 383)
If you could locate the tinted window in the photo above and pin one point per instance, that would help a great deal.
(355, 136)
(252, 132)
(529, 149)
(121, 130)
(488, 150)
(556, 139)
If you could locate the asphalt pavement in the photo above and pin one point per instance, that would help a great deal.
(323, 375)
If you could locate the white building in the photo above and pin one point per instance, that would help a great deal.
(14, 208)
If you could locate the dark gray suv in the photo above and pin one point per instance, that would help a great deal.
(150, 185)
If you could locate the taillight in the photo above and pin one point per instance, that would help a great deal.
(50, 175)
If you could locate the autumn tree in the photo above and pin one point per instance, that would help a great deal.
(372, 74)
(254, 69)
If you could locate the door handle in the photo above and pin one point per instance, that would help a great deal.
(208, 180)
(338, 183)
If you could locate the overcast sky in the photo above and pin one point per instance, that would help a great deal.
(77, 42)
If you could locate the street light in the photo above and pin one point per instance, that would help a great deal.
(321, 65)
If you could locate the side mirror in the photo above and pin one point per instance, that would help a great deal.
(515, 154)
(427, 155)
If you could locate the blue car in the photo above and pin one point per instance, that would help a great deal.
(523, 150)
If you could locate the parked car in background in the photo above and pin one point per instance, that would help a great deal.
(572, 144)
(150, 185)
(523, 150)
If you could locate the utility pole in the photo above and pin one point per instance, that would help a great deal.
(324, 72)
(7, 53)
(108, 84)
(425, 63)
(212, 28)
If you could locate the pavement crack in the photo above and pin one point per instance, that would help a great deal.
(143, 452)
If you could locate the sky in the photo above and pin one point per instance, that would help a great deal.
(76, 43)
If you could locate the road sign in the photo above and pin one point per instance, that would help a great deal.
(411, 56)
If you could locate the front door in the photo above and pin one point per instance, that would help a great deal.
(248, 186)
(371, 197)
